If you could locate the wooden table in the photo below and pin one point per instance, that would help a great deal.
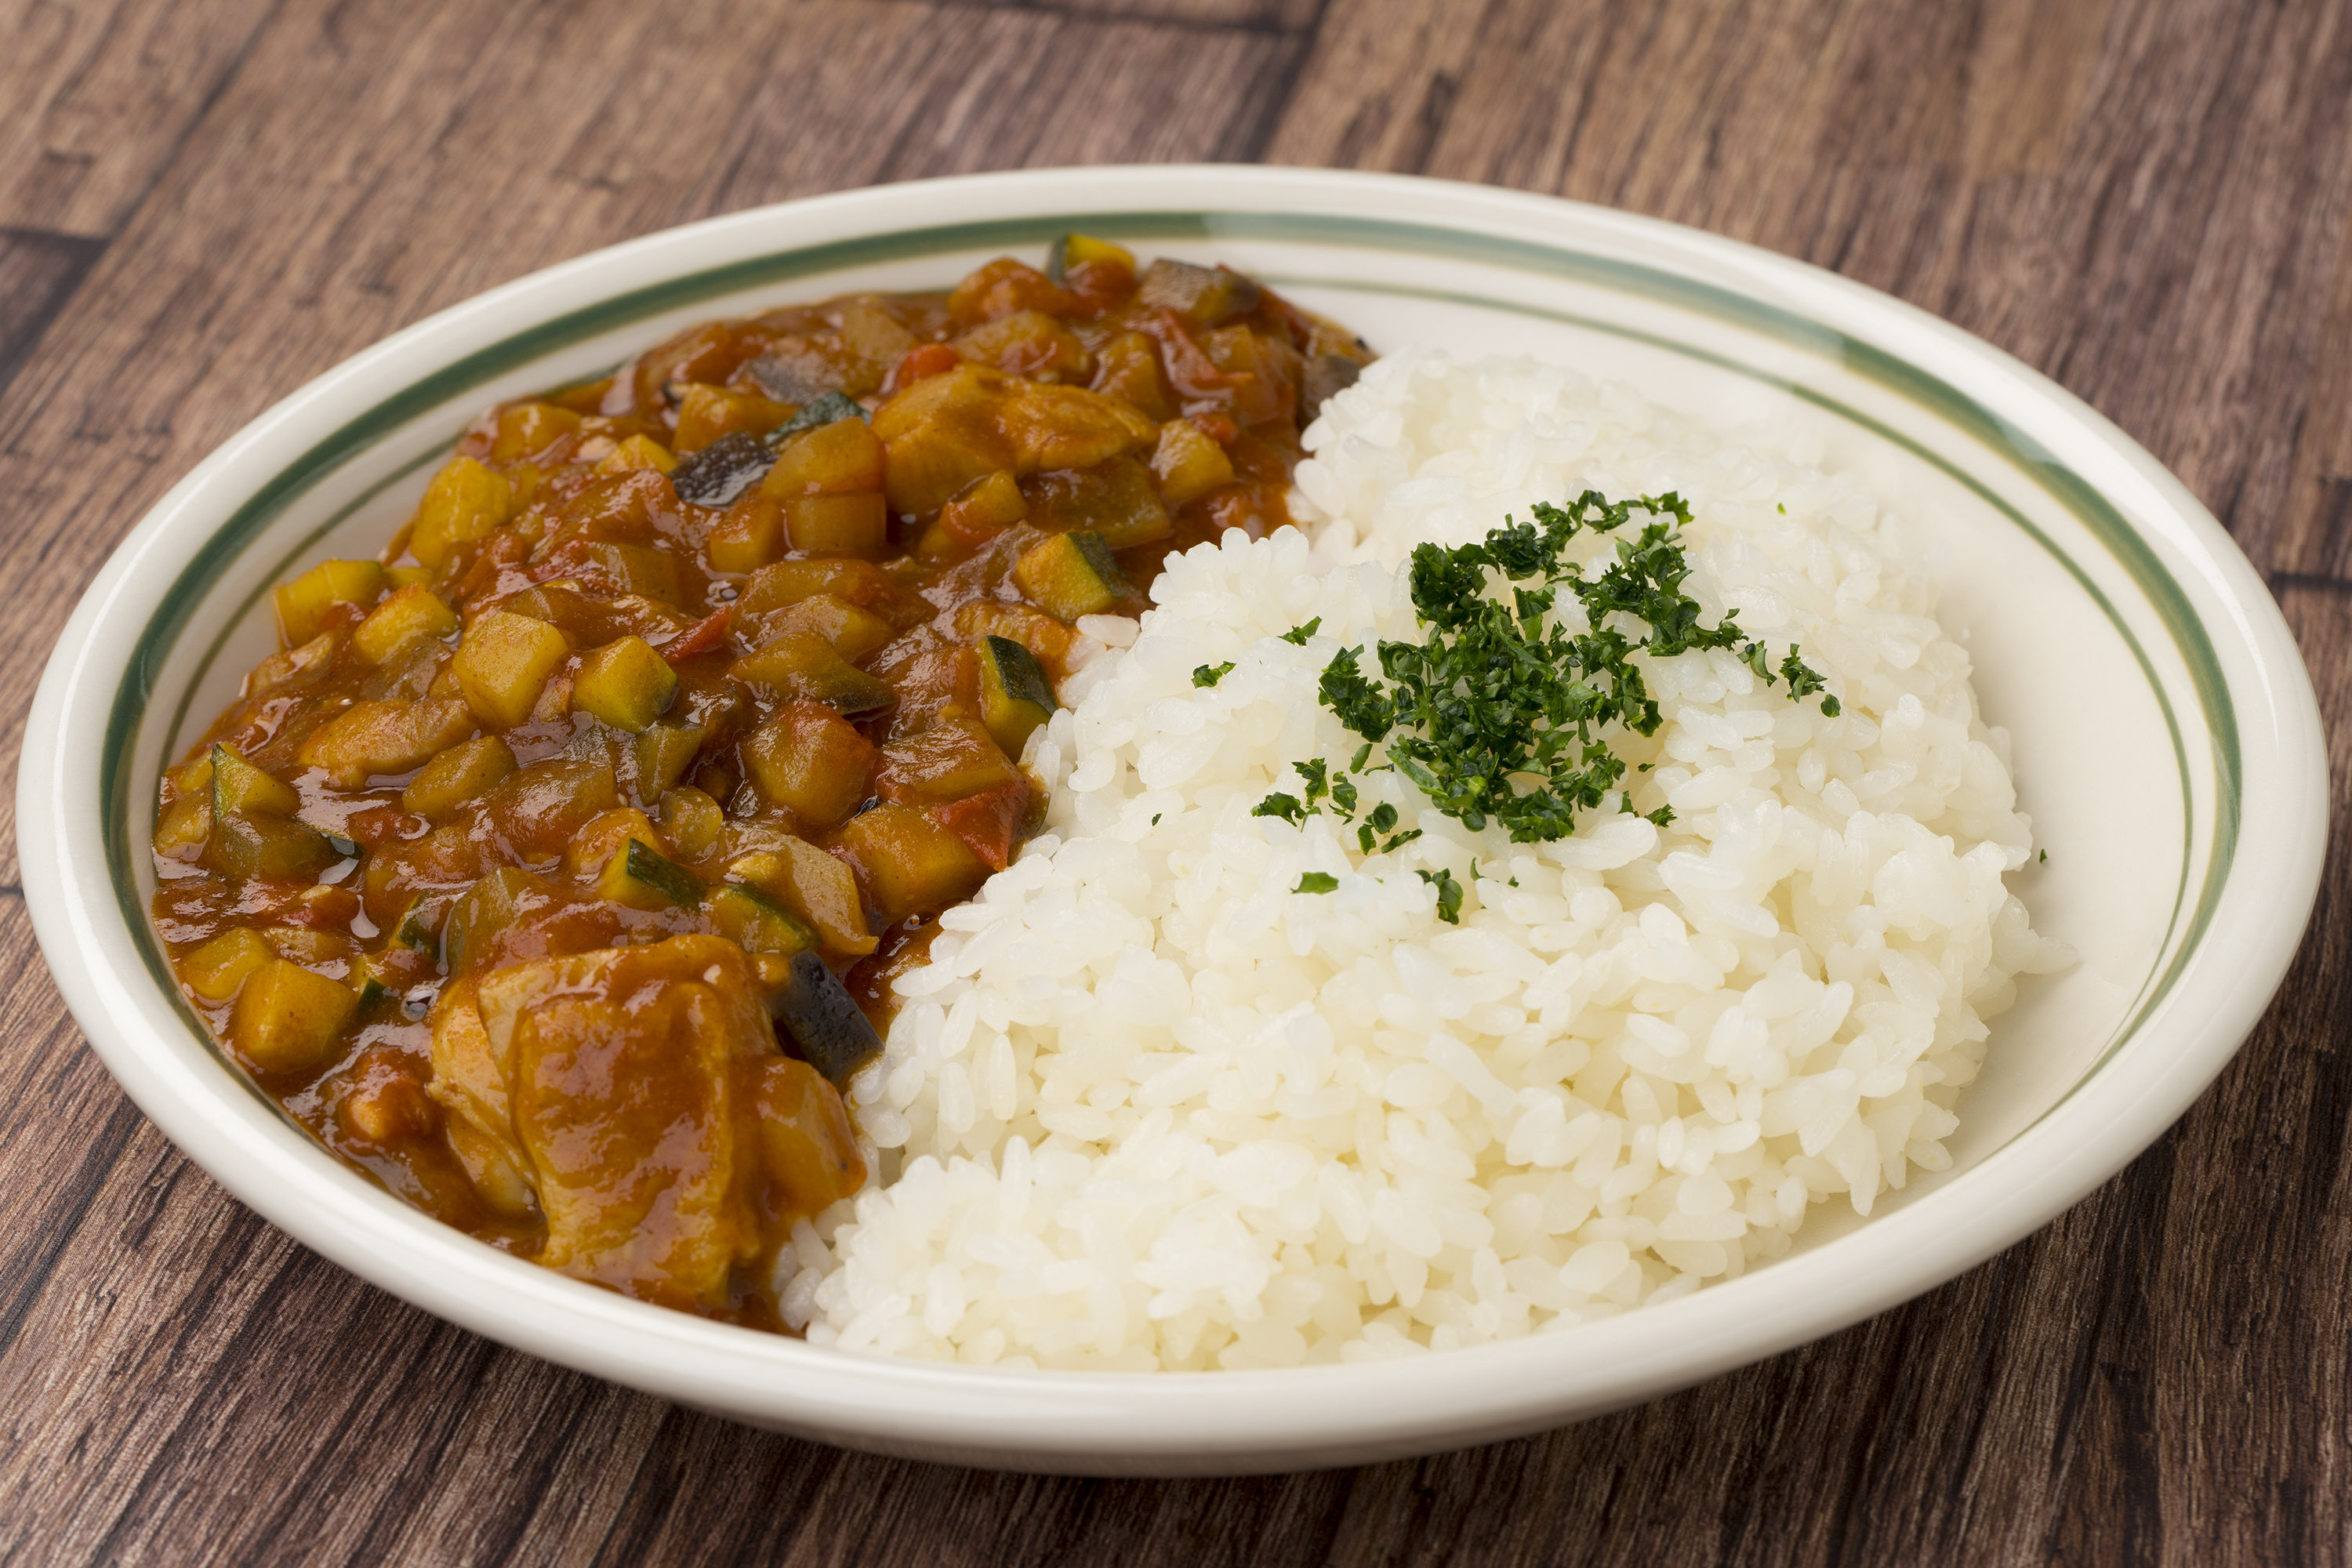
(202, 206)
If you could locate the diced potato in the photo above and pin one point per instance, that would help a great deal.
(854, 633)
(1115, 498)
(856, 525)
(289, 1020)
(410, 614)
(585, 857)
(1071, 574)
(844, 457)
(691, 822)
(755, 922)
(368, 739)
(215, 970)
(808, 760)
(1004, 286)
(465, 501)
(806, 1145)
(627, 684)
(302, 604)
(409, 576)
(456, 776)
(1189, 465)
(239, 788)
(1014, 696)
(527, 429)
(819, 887)
(705, 413)
(637, 452)
(540, 810)
(747, 535)
(643, 877)
(504, 661)
(1041, 634)
(953, 757)
(631, 569)
(1029, 343)
(1128, 368)
(183, 827)
(1070, 427)
(910, 863)
(799, 665)
(983, 508)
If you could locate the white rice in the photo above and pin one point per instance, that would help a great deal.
(1148, 1108)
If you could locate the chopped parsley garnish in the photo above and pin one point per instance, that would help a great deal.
(1449, 895)
(1209, 674)
(1503, 714)
(1317, 882)
(1296, 636)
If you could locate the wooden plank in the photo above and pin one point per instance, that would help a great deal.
(38, 272)
(1257, 15)
(95, 96)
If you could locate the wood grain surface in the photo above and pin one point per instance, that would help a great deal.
(202, 206)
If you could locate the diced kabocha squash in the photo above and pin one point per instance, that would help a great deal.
(303, 604)
(465, 501)
(660, 756)
(626, 683)
(251, 834)
(815, 886)
(370, 739)
(854, 633)
(527, 429)
(843, 457)
(948, 430)
(951, 758)
(910, 863)
(1115, 498)
(540, 810)
(811, 762)
(1071, 574)
(637, 452)
(239, 788)
(289, 1020)
(707, 413)
(749, 534)
(494, 904)
(456, 776)
(215, 970)
(1201, 296)
(799, 665)
(1071, 251)
(755, 922)
(983, 509)
(989, 821)
(412, 615)
(806, 1146)
(856, 525)
(593, 847)
(1014, 695)
(644, 878)
(822, 1023)
(691, 822)
(1187, 464)
(503, 663)
(182, 827)
(1048, 638)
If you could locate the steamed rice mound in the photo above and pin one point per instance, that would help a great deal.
(1149, 1108)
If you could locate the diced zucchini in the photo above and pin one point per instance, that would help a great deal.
(1070, 250)
(787, 583)
(215, 970)
(1189, 464)
(493, 904)
(723, 471)
(637, 452)
(1069, 427)
(952, 757)
(369, 739)
(643, 878)
(1115, 498)
(503, 663)
(1046, 637)
(464, 503)
(239, 788)
(806, 1145)
(593, 848)
(265, 846)
(691, 822)
(798, 665)
(747, 535)
(854, 633)
(661, 754)
(410, 614)
(456, 776)
(414, 930)
(1203, 296)
(910, 863)
(809, 760)
(289, 1020)
(626, 683)
(755, 922)
(1014, 695)
(844, 457)
(1071, 574)
(1325, 377)
(817, 887)
(856, 524)
(824, 1023)
(302, 604)
(824, 408)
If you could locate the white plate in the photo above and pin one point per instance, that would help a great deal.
(2168, 751)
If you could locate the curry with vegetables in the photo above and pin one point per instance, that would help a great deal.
(554, 871)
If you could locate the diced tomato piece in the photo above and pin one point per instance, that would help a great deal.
(921, 362)
(1191, 372)
(700, 637)
(990, 821)
(1217, 427)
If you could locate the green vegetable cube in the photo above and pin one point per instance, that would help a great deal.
(241, 789)
(1014, 695)
(756, 922)
(643, 878)
(626, 683)
(1071, 574)
(800, 665)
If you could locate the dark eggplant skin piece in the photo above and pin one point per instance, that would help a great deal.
(822, 1024)
(718, 473)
